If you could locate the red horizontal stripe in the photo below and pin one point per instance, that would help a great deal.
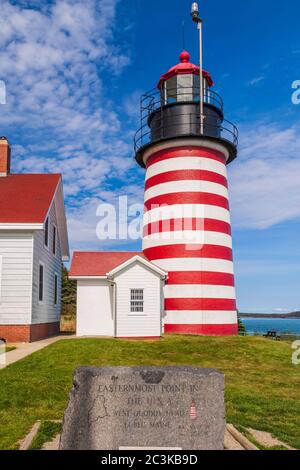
(181, 251)
(171, 225)
(207, 330)
(186, 151)
(200, 304)
(186, 175)
(201, 277)
(187, 198)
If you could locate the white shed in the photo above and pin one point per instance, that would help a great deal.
(118, 295)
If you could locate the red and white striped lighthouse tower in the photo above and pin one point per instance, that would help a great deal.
(185, 145)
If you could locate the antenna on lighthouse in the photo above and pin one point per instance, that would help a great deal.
(183, 35)
(196, 18)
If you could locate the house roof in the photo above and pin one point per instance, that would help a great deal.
(99, 263)
(26, 198)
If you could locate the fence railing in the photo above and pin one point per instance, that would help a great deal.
(181, 124)
(155, 99)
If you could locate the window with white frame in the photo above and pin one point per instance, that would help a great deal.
(136, 300)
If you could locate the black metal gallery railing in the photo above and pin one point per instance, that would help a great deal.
(173, 113)
(155, 98)
(160, 130)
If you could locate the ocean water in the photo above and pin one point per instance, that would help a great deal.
(263, 325)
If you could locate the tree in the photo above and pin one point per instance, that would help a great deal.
(241, 327)
(68, 293)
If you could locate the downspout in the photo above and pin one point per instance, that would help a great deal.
(164, 280)
(114, 306)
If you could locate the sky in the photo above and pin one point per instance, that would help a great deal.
(74, 71)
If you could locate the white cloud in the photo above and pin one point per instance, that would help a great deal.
(52, 61)
(59, 113)
(83, 220)
(131, 105)
(263, 310)
(264, 267)
(256, 80)
(264, 180)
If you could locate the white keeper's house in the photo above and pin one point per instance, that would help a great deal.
(119, 294)
(33, 244)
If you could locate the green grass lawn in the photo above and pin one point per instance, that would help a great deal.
(47, 432)
(262, 384)
(7, 349)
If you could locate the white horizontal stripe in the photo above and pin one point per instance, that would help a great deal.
(185, 186)
(186, 163)
(195, 264)
(204, 317)
(198, 291)
(188, 237)
(186, 211)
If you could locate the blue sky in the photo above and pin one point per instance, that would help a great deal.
(74, 71)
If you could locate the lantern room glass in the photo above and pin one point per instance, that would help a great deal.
(181, 88)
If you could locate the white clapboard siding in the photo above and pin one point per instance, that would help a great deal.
(46, 311)
(11, 289)
(138, 276)
(12, 283)
(16, 249)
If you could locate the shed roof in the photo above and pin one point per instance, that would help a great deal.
(98, 263)
(102, 263)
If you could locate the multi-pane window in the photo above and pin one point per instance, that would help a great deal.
(54, 241)
(137, 300)
(55, 289)
(46, 232)
(41, 283)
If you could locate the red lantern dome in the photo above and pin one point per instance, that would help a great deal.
(185, 67)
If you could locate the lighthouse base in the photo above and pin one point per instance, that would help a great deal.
(202, 330)
(187, 233)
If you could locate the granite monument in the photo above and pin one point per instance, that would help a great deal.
(119, 408)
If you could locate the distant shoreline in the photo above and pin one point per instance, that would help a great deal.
(287, 316)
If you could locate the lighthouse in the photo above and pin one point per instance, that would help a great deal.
(185, 144)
